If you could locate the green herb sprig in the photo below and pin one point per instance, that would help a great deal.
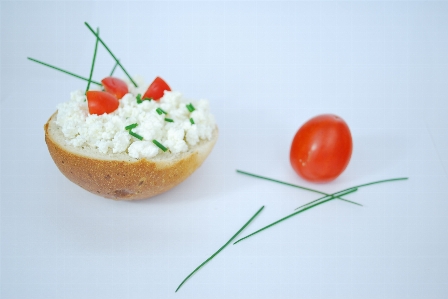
(358, 186)
(139, 99)
(296, 186)
(327, 198)
(160, 145)
(222, 247)
(160, 111)
(64, 71)
(190, 107)
(169, 120)
(135, 135)
(131, 126)
(113, 70)
(110, 52)
(94, 58)
(191, 121)
(313, 203)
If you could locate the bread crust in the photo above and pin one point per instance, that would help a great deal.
(124, 179)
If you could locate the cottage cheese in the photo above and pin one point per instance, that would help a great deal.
(107, 132)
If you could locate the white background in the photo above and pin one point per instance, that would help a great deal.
(266, 68)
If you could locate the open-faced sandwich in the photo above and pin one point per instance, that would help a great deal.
(126, 142)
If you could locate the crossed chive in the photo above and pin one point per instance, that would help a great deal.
(309, 205)
(129, 129)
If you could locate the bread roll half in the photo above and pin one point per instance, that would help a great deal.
(119, 176)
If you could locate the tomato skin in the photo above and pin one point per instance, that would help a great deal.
(321, 148)
(115, 86)
(156, 89)
(100, 102)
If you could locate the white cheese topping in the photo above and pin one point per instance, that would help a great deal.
(107, 132)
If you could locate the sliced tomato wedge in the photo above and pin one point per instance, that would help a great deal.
(115, 86)
(101, 102)
(156, 89)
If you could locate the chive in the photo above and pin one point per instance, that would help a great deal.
(149, 99)
(110, 52)
(159, 145)
(316, 202)
(131, 126)
(139, 99)
(192, 121)
(160, 111)
(63, 71)
(222, 247)
(113, 70)
(94, 58)
(169, 120)
(358, 186)
(135, 135)
(328, 198)
(297, 186)
(190, 107)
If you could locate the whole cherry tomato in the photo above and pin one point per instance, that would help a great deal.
(115, 86)
(101, 102)
(321, 148)
(156, 89)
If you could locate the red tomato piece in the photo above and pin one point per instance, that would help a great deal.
(321, 148)
(101, 102)
(156, 89)
(115, 86)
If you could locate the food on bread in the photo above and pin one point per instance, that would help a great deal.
(142, 148)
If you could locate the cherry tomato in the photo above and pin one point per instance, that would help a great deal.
(101, 102)
(321, 148)
(115, 86)
(156, 89)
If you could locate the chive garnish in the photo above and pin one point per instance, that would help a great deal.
(358, 186)
(316, 202)
(328, 198)
(94, 58)
(160, 111)
(222, 247)
(191, 121)
(135, 135)
(297, 186)
(131, 126)
(190, 107)
(139, 99)
(63, 71)
(113, 70)
(110, 52)
(159, 145)
(169, 120)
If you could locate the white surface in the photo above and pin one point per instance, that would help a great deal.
(266, 68)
